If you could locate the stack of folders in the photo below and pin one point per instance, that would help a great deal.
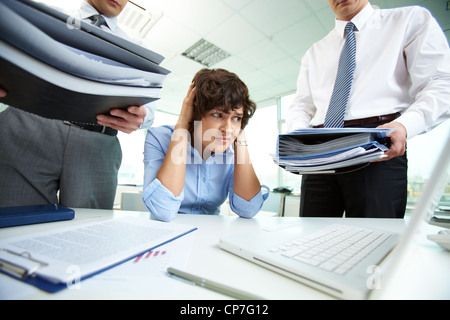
(61, 68)
(313, 151)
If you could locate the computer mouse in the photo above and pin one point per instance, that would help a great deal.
(442, 238)
(283, 190)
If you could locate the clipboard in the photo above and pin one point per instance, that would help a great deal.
(51, 273)
(22, 267)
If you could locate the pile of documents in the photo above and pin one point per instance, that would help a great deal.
(60, 68)
(312, 151)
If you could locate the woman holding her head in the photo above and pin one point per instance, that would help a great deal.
(194, 166)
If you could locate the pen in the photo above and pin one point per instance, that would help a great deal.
(214, 286)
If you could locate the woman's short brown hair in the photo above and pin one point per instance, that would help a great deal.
(222, 90)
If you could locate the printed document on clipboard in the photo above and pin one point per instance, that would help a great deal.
(330, 150)
(54, 260)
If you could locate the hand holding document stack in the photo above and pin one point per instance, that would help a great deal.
(314, 151)
(59, 68)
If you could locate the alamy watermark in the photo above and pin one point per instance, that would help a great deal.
(75, 275)
(73, 23)
(206, 143)
(374, 278)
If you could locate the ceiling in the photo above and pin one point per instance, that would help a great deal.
(265, 39)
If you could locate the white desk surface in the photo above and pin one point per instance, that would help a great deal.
(426, 275)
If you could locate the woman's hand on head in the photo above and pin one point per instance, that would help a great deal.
(187, 110)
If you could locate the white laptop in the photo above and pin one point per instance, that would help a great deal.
(339, 257)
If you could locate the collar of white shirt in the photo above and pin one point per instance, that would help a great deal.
(359, 20)
(87, 11)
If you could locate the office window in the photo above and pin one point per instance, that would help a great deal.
(423, 151)
(285, 102)
(261, 133)
(288, 178)
(131, 171)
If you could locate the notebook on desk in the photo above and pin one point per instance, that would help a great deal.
(342, 259)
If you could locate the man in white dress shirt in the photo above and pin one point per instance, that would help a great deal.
(46, 161)
(401, 80)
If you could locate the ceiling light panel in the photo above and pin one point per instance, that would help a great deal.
(205, 53)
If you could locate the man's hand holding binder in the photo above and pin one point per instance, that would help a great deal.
(3, 92)
(398, 140)
(126, 121)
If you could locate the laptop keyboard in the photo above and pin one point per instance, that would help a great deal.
(337, 248)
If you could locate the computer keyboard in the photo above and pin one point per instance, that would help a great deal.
(337, 248)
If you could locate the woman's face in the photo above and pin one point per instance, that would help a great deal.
(219, 130)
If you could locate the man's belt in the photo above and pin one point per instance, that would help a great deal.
(93, 127)
(377, 120)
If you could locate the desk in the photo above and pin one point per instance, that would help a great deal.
(427, 275)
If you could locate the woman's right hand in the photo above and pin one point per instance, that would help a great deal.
(187, 110)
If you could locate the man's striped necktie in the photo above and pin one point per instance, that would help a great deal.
(98, 20)
(341, 92)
